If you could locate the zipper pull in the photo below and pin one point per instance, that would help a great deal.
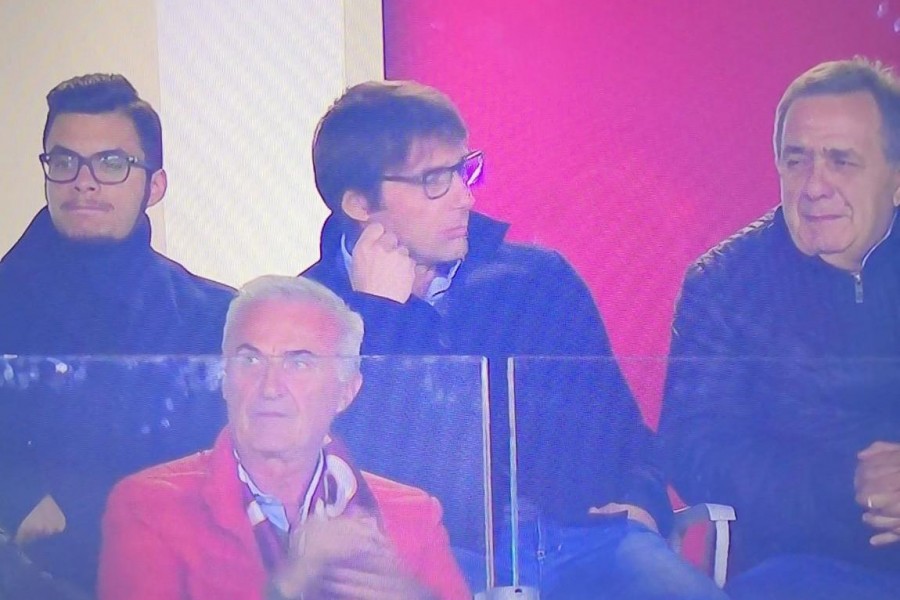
(858, 287)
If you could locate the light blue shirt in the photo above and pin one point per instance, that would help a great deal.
(269, 506)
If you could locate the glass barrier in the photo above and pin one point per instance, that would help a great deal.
(576, 435)
(528, 457)
(580, 450)
(72, 427)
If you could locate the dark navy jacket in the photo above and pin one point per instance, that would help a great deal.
(782, 368)
(582, 441)
(73, 437)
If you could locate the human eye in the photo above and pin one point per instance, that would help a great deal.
(795, 161)
(437, 176)
(111, 162)
(60, 162)
(246, 359)
(842, 162)
(299, 362)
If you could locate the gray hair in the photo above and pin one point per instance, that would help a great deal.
(301, 289)
(848, 77)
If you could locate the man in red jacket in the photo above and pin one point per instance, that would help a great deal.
(276, 509)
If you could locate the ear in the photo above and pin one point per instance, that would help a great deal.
(351, 389)
(356, 206)
(158, 183)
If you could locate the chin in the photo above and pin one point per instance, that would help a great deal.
(456, 253)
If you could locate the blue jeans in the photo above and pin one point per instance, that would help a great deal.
(617, 560)
(802, 577)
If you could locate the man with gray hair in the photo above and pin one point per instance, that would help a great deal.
(782, 392)
(276, 509)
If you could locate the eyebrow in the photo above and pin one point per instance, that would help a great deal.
(63, 149)
(792, 149)
(832, 153)
(247, 347)
(841, 153)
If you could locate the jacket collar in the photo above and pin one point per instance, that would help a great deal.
(222, 492)
(888, 246)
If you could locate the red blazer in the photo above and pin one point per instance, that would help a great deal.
(179, 531)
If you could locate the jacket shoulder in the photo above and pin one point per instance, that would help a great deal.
(176, 481)
(742, 253)
(196, 287)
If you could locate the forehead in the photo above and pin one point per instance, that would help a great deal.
(429, 152)
(89, 133)
(277, 325)
(834, 120)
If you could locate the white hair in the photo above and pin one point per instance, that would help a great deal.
(301, 289)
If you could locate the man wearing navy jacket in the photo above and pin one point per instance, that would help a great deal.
(431, 277)
(84, 280)
(782, 392)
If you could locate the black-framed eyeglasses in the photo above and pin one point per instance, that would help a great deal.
(108, 167)
(436, 182)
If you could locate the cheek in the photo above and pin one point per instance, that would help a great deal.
(55, 193)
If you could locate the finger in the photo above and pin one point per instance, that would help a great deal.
(881, 479)
(883, 539)
(388, 240)
(612, 507)
(369, 237)
(879, 521)
(878, 448)
(879, 460)
(881, 503)
(370, 233)
(889, 508)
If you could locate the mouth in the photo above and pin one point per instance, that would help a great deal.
(457, 232)
(822, 218)
(269, 414)
(86, 208)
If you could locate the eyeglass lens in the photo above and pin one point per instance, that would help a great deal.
(107, 168)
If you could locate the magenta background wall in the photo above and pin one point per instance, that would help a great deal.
(629, 136)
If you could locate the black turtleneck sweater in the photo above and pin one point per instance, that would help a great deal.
(59, 296)
(74, 438)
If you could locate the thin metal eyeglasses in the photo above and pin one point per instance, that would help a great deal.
(108, 167)
(436, 182)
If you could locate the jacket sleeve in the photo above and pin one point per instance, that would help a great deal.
(411, 327)
(135, 561)
(723, 431)
(429, 555)
(439, 568)
(609, 441)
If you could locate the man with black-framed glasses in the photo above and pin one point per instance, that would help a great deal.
(430, 276)
(84, 280)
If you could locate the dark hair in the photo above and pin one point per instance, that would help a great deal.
(102, 93)
(370, 129)
(846, 77)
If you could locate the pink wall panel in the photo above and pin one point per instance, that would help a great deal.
(629, 136)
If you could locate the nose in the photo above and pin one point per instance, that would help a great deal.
(461, 194)
(818, 182)
(272, 384)
(84, 180)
